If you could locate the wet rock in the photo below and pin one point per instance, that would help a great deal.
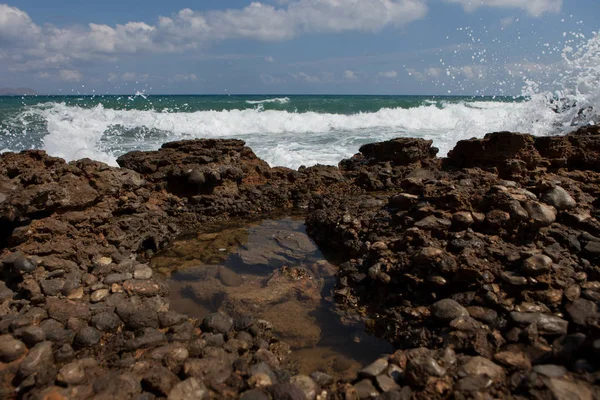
(305, 384)
(375, 368)
(137, 317)
(142, 273)
(419, 369)
(474, 383)
(190, 389)
(321, 378)
(386, 383)
(10, 348)
(229, 278)
(559, 198)
(447, 309)
(117, 278)
(255, 394)
(167, 319)
(365, 389)
(537, 264)
(217, 322)
(482, 366)
(149, 337)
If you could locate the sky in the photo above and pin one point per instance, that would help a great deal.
(458, 47)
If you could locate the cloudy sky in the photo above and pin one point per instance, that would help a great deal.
(288, 46)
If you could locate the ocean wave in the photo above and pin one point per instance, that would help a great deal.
(280, 100)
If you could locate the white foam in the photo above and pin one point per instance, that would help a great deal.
(280, 100)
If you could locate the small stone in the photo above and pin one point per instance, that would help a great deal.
(483, 366)
(386, 384)
(365, 389)
(32, 335)
(142, 273)
(217, 322)
(106, 321)
(559, 198)
(74, 372)
(196, 178)
(546, 324)
(540, 214)
(38, 359)
(170, 318)
(375, 368)
(567, 390)
(550, 370)
(11, 348)
(592, 248)
(52, 287)
(117, 278)
(447, 309)
(99, 295)
(474, 383)
(433, 223)
(321, 378)
(305, 384)
(463, 218)
(65, 354)
(142, 288)
(419, 369)
(516, 360)
(513, 279)
(581, 311)
(150, 337)
(573, 292)
(22, 264)
(190, 389)
(255, 394)
(103, 261)
(161, 381)
(537, 264)
(76, 294)
(87, 337)
(403, 201)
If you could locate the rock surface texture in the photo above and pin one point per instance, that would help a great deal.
(482, 269)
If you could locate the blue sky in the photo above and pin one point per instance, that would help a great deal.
(288, 46)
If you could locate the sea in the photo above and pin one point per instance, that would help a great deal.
(294, 130)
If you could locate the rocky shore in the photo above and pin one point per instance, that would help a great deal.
(482, 269)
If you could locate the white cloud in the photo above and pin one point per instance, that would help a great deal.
(269, 59)
(434, 72)
(350, 75)
(506, 22)
(302, 76)
(63, 47)
(533, 7)
(270, 79)
(388, 74)
(70, 75)
(185, 78)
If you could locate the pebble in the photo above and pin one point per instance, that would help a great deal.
(559, 198)
(22, 264)
(142, 273)
(306, 384)
(482, 366)
(87, 337)
(217, 322)
(550, 370)
(537, 264)
(375, 368)
(99, 295)
(447, 309)
(11, 348)
(365, 389)
(32, 335)
(190, 389)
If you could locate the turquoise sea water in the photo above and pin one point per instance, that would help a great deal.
(288, 130)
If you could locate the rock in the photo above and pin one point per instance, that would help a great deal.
(52, 287)
(482, 366)
(537, 264)
(447, 309)
(305, 384)
(592, 248)
(39, 359)
(62, 310)
(217, 322)
(117, 278)
(255, 394)
(150, 337)
(142, 273)
(513, 279)
(106, 321)
(167, 319)
(160, 380)
(87, 337)
(321, 378)
(74, 372)
(137, 317)
(559, 198)
(10, 348)
(567, 390)
(99, 295)
(190, 389)
(375, 368)
(365, 389)
(419, 369)
(551, 371)
(386, 384)
(403, 201)
(582, 311)
(540, 214)
(433, 223)
(32, 335)
(229, 278)
(474, 383)
(22, 264)
(516, 360)
(399, 151)
(546, 324)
